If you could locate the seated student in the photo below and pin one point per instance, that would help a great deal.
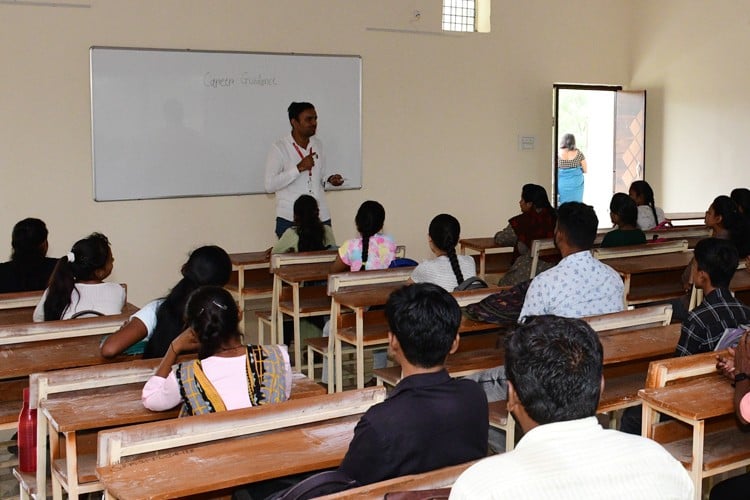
(736, 367)
(554, 368)
(429, 420)
(741, 197)
(714, 263)
(77, 284)
(227, 374)
(649, 215)
(308, 233)
(160, 321)
(372, 250)
(624, 215)
(447, 270)
(536, 221)
(29, 268)
(579, 285)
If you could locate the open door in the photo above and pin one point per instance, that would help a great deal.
(630, 138)
(609, 126)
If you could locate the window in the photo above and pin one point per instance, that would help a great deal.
(466, 15)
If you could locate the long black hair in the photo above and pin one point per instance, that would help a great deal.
(445, 231)
(212, 314)
(308, 225)
(643, 189)
(733, 221)
(207, 265)
(29, 241)
(369, 219)
(87, 256)
(536, 195)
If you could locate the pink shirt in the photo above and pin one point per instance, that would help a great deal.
(745, 407)
(381, 252)
(225, 374)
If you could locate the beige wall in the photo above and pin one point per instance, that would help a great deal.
(441, 114)
(691, 56)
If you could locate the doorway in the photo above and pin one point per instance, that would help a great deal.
(609, 126)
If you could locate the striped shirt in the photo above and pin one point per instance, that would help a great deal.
(705, 324)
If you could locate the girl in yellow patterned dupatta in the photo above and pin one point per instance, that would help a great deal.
(227, 374)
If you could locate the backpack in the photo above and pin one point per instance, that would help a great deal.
(322, 483)
(472, 283)
(502, 308)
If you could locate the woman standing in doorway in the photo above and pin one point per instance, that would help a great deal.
(571, 165)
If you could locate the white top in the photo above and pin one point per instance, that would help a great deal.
(147, 316)
(283, 178)
(577, 460)
(646, 217)
(439, 271)
(106, 298)
(578, 286)
(161, 394)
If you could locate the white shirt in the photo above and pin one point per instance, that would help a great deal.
(283, 178)
(577, 460)
(439, 271)
(646, 217)
(147, 316)
(578, 286)
(106, 298)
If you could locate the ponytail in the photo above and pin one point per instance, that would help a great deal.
(61, 287)
(307, 222)
(444, 232)
(369, 219)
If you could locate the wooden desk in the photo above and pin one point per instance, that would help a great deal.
(503, 254)
(358, 301)
(251, 278)
(72, 413)
(231, 463)
(10, 316)
(651, 278)
(740, 285)
(313, 298)
(696, 402)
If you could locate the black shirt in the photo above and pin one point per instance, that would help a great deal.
(17, 278)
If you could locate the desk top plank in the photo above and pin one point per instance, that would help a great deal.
(298, 273)
(121, 405)
(16, 315)
(245, 259)
(219, 465)
(622, 347)
(697, 399)
(480, 244)
(650, 263)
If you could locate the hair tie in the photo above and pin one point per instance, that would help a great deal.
(71, 257)
(220, 306)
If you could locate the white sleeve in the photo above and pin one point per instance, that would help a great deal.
(147, 316)
(278, 175)
(38, 315)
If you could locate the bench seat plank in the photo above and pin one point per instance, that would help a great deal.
(721, 448)
(217, 466)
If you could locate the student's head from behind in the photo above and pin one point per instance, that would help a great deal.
(568, 142)
(370, 218)
(208, 265)
(623, 210)
(29, 240)
(715, 260)
(741, 196)
(423, 320)
(534, 196)
(576, 226)
(303, 118)
(554, 370)
(308, 225)
(641, 193)
(444, 232)
(213, 315)
(722, 213)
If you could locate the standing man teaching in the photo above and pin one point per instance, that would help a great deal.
(296, 165)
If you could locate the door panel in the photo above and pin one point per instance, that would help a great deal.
(630, 138)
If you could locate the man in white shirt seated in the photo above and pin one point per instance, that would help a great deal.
(554, 369)
(579, 285)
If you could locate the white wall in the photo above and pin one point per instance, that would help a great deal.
(691, 56)
(441, 114)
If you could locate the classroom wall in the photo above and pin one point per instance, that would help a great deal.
(441, 114)
(690, 56)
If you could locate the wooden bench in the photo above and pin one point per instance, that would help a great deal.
(251, 278)
(31, 347)
(704, 434)
(111, 396)
(277, 440)
(657, 315)
(18, 307)
(491, 259)
(436, 479)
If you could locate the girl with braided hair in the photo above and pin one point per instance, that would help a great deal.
(372, 250)
(227, 374)
(77, 283)
(155, 325)
(447, 270)
(649, 215)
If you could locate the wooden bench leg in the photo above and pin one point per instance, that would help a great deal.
(261, 335)
(696, 467)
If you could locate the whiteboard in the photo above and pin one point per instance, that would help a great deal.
(171, 123)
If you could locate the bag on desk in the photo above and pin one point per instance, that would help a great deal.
(502, 308)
